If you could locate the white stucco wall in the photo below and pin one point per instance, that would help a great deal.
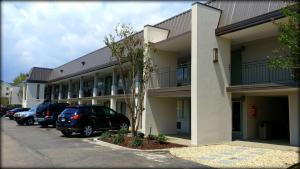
(15, 96)
(211, 104)
(31, 94)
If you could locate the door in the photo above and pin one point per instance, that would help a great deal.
(101, 121)
(236, 67)
(237, 120)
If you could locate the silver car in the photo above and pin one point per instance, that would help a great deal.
(26, 117)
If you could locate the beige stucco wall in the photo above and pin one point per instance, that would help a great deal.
(211, 104)
(160, 116)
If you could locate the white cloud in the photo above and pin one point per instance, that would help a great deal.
(49, 34)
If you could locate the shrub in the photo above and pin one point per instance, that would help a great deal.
(118, 139)
(106, 135)
(151, 137)
(161, 138)
(123, 131)
(141, 135)
(136, 142)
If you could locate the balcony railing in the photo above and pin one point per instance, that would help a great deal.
(258, 72)
(171, 77)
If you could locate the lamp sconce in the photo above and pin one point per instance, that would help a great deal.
(83, 63)
(215, 55)
(61, 71)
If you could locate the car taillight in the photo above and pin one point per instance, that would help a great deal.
(75, 117)
(48, 113)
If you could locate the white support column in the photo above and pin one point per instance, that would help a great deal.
(80, 95)
(69, 89)
(210, 103)
(60, 91)
(294, 118)
(113, 101)
(94, 101)
(24, 93)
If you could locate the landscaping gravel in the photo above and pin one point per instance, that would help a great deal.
(228, 156)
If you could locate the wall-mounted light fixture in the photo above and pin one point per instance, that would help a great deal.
(215, 55)
(61, 70)
(83, 63)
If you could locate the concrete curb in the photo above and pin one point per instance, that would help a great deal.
(114, 146)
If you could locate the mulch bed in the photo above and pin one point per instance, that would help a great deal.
(147, 144)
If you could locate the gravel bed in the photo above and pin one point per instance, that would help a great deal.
(228, 156)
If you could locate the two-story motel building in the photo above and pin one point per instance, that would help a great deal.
(212, 84)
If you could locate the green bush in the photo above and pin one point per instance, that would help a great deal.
(161, 138)
(118, 139)
(106, 135)
(123, 131)
(141, 135)
(151, 137)
(136, 142)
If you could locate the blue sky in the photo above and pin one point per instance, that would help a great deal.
(49, 34)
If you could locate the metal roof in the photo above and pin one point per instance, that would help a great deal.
(39, 75)
(232, 11)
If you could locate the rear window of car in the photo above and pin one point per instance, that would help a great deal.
(42, 107)
(70, 110)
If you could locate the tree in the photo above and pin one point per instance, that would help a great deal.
(19, 79)
(134, 67)
(288, 52)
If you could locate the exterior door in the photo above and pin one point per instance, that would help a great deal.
(236, 67)
(237, 132)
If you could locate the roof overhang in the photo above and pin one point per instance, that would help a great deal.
(261, 19)
(178, 43)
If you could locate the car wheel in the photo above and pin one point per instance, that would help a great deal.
(124, 126)
(20, 123)
(44, 125)
(30, 121)
(66, 133)
(87, 130)
(10, 118)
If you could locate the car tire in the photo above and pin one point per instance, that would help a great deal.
(30, 121)
(20, 123)
(11, 118)
(87, 130)
(124, 125)
(44, 125)
(67, 133)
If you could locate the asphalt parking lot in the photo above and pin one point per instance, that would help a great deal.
(33, 146)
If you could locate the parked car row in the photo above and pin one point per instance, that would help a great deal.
(70, 119)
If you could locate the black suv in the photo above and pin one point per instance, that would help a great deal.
(87, 119)
(46, 113)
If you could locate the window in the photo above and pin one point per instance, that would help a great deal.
(109, 112)
(38, 91)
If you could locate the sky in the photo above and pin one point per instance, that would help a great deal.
(49, 34)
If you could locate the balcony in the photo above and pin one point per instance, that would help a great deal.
(258, 72)
(171, 77)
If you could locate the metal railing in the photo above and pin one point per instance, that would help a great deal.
(257, 72)
(171, 77)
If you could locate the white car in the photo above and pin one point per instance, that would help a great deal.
(26, 117)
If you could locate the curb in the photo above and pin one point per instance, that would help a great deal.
(114, 146)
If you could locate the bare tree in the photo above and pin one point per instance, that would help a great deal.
(134, 67)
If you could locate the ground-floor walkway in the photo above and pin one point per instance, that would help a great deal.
(241, 154)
